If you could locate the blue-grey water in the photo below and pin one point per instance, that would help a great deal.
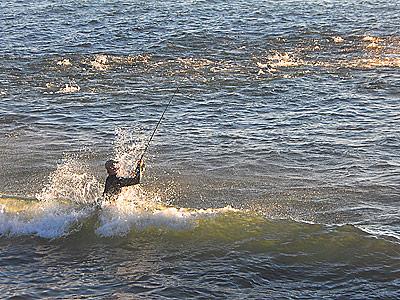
(274, 174)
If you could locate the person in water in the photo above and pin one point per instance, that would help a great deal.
(114, 183)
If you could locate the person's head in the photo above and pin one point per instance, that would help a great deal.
(111, 166)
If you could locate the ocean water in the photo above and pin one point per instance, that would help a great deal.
(274, 174)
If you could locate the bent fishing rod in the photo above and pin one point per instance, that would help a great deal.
(159, 121)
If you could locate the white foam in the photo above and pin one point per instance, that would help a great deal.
(118, 219)
(338, 39)
(46, 220)
(372, 39)
(65, 62)
(55, 219)
(100, 62)
(283, 60)
(69, 88)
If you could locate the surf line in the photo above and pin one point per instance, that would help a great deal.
(158, 124)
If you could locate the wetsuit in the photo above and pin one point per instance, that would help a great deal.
(114, 184)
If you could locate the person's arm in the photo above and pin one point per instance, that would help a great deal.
(127, 181)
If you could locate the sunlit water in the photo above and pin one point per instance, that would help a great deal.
(274, 174)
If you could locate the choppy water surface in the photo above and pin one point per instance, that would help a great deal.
(275, 173)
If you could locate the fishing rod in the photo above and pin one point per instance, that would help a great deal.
(159, 121)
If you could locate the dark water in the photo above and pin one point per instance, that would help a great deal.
(275, 173)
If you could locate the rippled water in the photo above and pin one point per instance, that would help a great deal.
(275, 173)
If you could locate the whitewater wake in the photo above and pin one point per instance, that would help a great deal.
(51, 219)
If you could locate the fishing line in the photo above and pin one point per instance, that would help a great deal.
(159, 121)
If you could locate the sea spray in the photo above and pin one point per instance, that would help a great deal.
(71, 181)
(128, 145)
